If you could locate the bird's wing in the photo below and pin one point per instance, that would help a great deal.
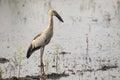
(31, 48)
(37, 36)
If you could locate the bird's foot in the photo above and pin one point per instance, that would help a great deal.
(42, 73)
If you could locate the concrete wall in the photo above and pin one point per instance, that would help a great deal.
(90, 27)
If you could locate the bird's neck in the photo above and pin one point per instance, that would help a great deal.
(51, 22)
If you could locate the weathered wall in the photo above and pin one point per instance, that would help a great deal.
(91, 27)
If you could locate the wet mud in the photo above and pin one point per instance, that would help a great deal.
(66, 74)
(58, 76)
(104, 68)
(47, 76)
(3, 60)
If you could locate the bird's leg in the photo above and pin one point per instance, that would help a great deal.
(42, 73)
(41, 56)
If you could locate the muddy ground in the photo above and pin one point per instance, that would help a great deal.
(57, 76)
(66, 74)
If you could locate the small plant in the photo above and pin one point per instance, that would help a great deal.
(16, 62)
(56, 58)
(20, 57)
(1, 72)
(92, 4)
(47, 62)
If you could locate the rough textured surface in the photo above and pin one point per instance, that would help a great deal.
(90, 33)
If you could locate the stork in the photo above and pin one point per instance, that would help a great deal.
(42, 39)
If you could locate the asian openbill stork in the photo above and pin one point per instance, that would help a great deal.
(42, 39)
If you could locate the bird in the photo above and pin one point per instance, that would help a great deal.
(42, 39)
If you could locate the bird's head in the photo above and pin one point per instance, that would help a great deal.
(52, 12)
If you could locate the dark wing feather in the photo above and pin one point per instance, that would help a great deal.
(31, 49)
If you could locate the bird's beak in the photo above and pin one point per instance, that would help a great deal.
(59, 17)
